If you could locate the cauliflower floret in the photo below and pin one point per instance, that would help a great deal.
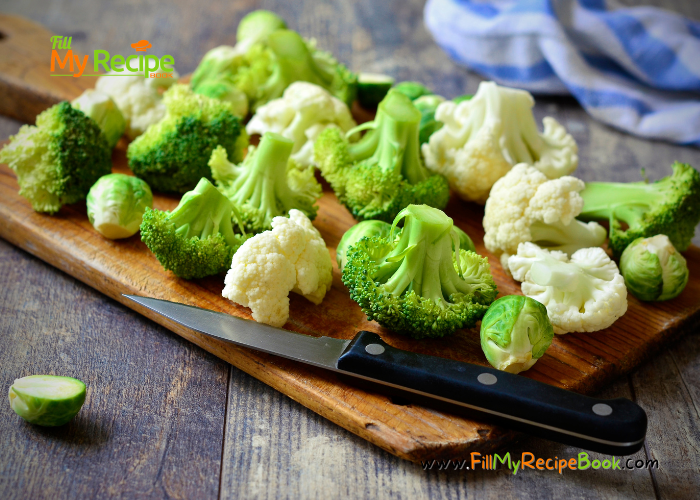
(301, 114)
(482, 138)
(138, 98)
(586, 293)
(526, 206)
(290, 257)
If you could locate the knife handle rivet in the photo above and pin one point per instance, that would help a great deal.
(374, 349)
(602, 409)
(487, 378)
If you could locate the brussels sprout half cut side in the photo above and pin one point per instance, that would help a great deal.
(47, 400)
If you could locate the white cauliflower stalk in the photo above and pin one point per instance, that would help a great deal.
(483, 138)
(301, 114)
(526, 206)
(586, 293)
(138, 98)
(290, 257)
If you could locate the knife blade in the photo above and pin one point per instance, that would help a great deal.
(613, 426)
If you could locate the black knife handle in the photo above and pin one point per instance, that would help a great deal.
(612, 426)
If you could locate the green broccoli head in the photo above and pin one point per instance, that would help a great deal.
(382, 173)
(58, 159)
(267, 183)
(669, 206)
(173, 155)
(419, 283)
(427, 105)
(298, 60)
(197, 238)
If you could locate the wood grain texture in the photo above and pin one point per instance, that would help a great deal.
(152, 422)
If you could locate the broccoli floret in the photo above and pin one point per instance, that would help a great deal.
(412, 90)
(173, 155)
(382, 173)
(267, 184)
(197, 238)
(58, 159)
(421, 283)
(669, 206)
(264, 65)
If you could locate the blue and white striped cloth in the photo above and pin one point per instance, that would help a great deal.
(637, 69)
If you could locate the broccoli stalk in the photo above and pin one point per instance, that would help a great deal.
(383, 172)
(420, 283)
(196, 239)
(59, 159)
(267, 184)
(567, 238)
(669, 206)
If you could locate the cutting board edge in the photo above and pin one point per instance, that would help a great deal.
(247, 360)
(392, 441)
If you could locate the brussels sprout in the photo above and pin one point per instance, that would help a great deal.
(372, 88)
(101, 108)
(356, 233)
(46, 399)
(116, 203)
(465, 242)
(653, 269)
(515, 333)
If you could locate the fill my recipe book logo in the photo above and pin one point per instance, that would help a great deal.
(63, 59)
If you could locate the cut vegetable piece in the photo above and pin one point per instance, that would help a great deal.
(47, 400)
(372, 88)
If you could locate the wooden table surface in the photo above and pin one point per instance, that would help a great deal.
(164, 418)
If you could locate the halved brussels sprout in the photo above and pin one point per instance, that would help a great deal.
(515, 333)
(116, 203)
(653, 269)
(47, 400)
(101, 108)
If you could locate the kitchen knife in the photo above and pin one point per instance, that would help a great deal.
(612, 426)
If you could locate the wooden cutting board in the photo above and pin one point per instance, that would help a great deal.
(578, 362)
